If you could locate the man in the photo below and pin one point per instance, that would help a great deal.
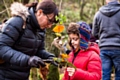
(106, 28)
(22, 39)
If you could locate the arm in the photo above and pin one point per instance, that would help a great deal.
(43, 53)
(9, 35)
(95, 28)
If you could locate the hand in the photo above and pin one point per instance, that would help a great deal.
(35, 61)
(71, 71)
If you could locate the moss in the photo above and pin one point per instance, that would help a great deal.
(54, 73)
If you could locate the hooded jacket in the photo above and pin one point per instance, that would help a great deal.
(106, 26)
(88, 64)
(17, 44)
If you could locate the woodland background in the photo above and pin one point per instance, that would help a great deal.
(74, 10)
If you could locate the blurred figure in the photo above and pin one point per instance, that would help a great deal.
(106, 28)
(62, 46)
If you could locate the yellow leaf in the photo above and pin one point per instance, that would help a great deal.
(63, 55)
(58, 28)
(58, 34)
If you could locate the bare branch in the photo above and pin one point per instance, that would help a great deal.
(3, 11)
(60, 5)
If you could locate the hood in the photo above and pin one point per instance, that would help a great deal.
(18, 9)
(110, 9)
(94, 47)
(33, 19)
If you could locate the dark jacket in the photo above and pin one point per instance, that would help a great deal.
(106, 26)
(18, 44)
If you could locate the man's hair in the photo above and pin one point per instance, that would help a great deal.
(48, 7)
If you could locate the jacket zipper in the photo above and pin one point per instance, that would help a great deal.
(75, 54)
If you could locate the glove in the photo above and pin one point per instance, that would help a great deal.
(53, 62)
(35, 61)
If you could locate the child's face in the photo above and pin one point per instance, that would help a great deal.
(75, 40)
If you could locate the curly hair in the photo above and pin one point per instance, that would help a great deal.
(73, 29)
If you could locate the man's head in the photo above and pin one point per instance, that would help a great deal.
(46, 11)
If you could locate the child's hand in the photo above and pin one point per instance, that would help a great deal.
(71, 71)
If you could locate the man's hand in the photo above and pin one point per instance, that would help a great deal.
(35, 61)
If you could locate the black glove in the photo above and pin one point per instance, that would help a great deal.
(35, 61)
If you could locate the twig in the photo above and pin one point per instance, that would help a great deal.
(60, 5)
(3, 11)
(6, 8)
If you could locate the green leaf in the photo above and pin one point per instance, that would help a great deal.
(71, 65)
(61, 18)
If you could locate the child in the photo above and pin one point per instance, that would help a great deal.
(84, 55)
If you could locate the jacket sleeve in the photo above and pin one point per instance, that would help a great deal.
(10, 33)
(95, 28)
(93, 72)
(43, 53)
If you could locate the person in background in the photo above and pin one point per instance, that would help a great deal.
(92, 38)
(22, 39)
(84, 55)
(106, 28)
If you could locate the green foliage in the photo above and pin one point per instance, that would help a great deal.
(63, 60)
(5, 5)
(72, 16)
(71, 11)
(53, 73)
(3, 11)
(53, 70)
(61, 18)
